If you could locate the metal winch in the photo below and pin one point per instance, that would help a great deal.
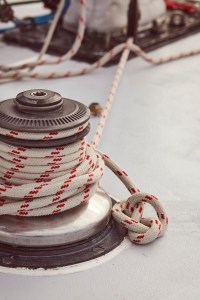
(79, 234)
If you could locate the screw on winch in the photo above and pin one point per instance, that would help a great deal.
(79, 234)
(95, 109)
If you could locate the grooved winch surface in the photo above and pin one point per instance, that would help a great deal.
(41, 117)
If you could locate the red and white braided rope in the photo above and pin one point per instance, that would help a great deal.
(39, 182)
(111, 95)
(36, 182)
(50, 32)
(75, 47)
(18, 74)
(162, 60)
(45, 181)
(101, 62)
(129, 213)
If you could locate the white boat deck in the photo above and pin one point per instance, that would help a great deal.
(154, 133)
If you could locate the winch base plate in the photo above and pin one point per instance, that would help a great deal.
(64, 255)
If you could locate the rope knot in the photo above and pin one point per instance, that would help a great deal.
(130, 214)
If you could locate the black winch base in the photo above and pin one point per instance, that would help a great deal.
(65, 255)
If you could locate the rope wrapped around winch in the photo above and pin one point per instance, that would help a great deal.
(44, 181)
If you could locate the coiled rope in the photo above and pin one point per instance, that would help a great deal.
(38, 182)
(49, 180)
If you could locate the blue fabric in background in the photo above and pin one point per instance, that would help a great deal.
(38, 20)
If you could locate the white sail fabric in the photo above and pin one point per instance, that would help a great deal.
(111, 15)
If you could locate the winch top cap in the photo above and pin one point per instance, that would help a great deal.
(41, 110)
(38, 100)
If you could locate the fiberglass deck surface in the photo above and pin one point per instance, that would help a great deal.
(153, 133)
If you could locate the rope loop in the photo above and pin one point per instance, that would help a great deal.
(74, 174)
(130, 214)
